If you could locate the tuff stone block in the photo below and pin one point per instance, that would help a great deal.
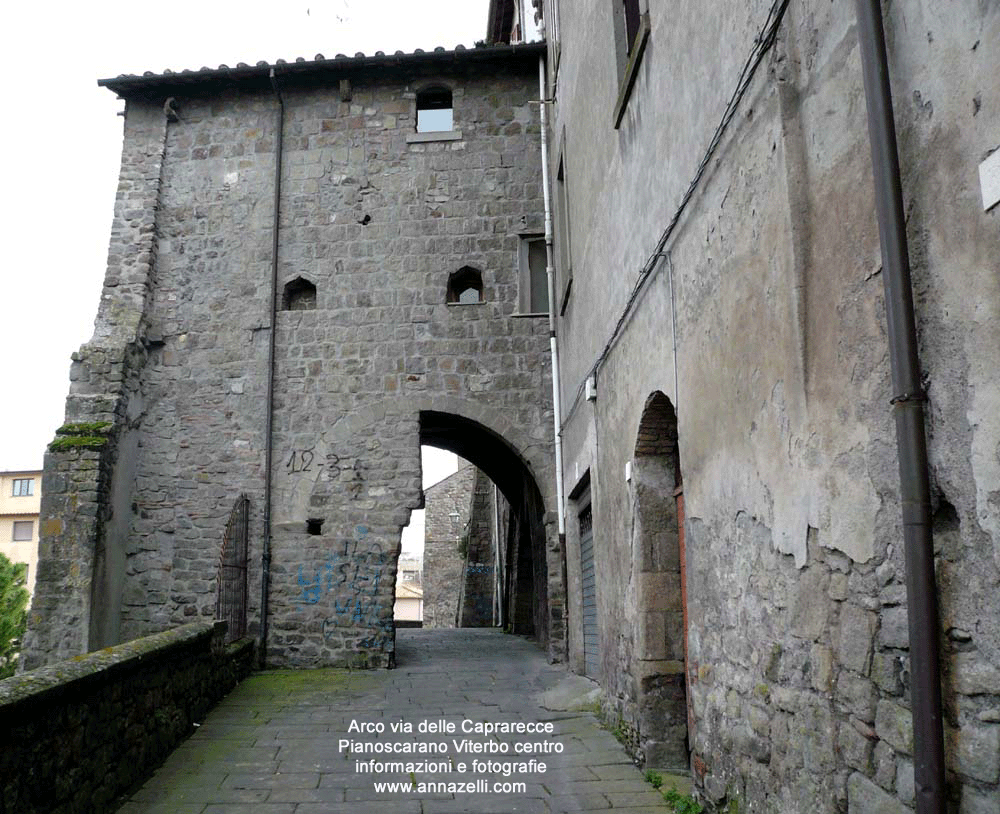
(864, 796)
(894, 725)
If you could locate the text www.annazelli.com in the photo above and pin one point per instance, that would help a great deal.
(454, 787)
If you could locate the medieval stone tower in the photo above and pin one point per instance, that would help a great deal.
(314, 268)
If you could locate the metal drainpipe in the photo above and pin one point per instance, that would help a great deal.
(908, 410)
(265, 560)
(550, 276)
(497, 592)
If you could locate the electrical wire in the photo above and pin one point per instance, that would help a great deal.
(762, 44)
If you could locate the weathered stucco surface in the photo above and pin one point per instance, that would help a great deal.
(797, 645)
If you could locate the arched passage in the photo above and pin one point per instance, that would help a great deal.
(524, 583)
(658, 571)
(333, 593)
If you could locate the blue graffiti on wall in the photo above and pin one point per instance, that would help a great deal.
(353, 577)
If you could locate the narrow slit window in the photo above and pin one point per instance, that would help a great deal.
(434, 110)
(632, 15)
(533, 275)
(563, 232)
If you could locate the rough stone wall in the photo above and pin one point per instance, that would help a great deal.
(80, 493)
(460, 550)
(797, 648)
(446, 522)
(79, 734)
(377, 224)
(480, 560)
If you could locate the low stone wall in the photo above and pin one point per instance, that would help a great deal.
(79, 733)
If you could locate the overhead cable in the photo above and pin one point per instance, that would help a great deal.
(761, 45)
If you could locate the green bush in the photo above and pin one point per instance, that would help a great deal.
(13, 613)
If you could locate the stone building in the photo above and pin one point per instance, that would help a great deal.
(728, 475)
(20, 497)
(446, 520)
(408, 608)
(485, 559)
(469, 557)
(374, 210)
(730, 460)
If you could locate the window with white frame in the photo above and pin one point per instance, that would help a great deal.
(23, 487)
(23, 530)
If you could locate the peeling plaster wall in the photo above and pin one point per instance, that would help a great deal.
(797, 656)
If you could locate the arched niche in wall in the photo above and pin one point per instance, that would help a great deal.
(465, 286)
(299, 295)
(659, 575)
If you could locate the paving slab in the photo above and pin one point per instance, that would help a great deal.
(308, 741)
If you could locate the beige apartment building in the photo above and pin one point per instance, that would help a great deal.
(409, 605)
(20, 495)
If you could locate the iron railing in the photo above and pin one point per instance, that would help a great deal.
(231, 586)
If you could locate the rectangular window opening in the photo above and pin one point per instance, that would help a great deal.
(631, 30)
(435, 111)
(563, 236)
(23, 530)
(23, 487)
(534, 281)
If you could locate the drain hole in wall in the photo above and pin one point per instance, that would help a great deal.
(314, 526)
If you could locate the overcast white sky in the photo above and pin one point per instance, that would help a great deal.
(61, 143)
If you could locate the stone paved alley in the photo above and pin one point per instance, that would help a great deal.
(271, 747)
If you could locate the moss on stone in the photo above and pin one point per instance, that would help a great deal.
(83, 435)
(77, 442)
(86, 428)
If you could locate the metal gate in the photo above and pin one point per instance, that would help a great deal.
(231, 588)
(591, 641)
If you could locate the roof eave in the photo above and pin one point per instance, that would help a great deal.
(169, 81)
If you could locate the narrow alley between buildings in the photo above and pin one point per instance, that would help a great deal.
(276, 744)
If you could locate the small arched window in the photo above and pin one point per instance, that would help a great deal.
(434, 110)
(465, 286)
(299, 295)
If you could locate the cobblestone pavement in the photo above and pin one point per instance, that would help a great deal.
(273, 745)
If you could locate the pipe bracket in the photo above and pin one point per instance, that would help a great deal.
(918, 396)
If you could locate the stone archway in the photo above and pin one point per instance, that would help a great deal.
(340, 510)
(659, 580)
(525, 594)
